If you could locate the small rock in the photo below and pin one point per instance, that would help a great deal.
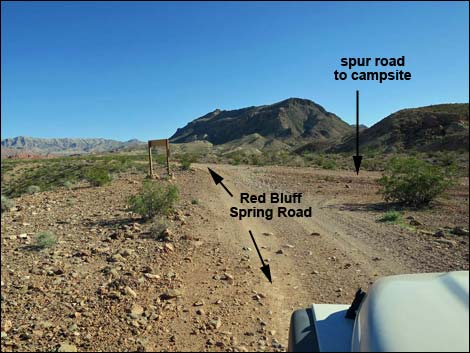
(114, 273)
(315, 234)
(151, 276)
(280, 251)
(200, 312)
(114, 295)
(427, 232)
(146, 269)
(171, 294)
(228, 277)
(136, 311)
(67, 347)
(7, 325)
(445, 241)
(268, 234)
(117, 258)
(199, 303)
(460, 231)
(129, 291)
(127, 252)
(440, 234)
(215, 324)
(210, 342)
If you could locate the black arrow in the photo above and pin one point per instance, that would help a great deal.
(357, 158)
(264, 268)
(218, 180)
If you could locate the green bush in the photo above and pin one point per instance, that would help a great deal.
(33, 189)
(98, 176)
(414, 182)
(6, 204)
(329, 164)
(186, 160)
(154, 199)
(68, 184)
(45, 240)
(391, 217)
(51, 173)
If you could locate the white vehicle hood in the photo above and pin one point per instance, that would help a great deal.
(424, 312)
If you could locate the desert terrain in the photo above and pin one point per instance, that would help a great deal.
(108, 285)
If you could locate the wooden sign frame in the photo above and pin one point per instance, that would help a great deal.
(159, 143)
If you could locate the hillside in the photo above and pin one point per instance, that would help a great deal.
(290, 122)
(431, 128)
(24, 145)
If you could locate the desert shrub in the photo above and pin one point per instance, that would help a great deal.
(235, 158)
(49, 174)
(154, 199)
(329, 164)
(373, 163)
(186, 160)
(159, 230)
(324, 162)
(98, 176)
(6, 204)
(68, 184)
(194, 202)
(308, 156)
(45, 240)
(391, 217)
(33, 189)
(414, 182)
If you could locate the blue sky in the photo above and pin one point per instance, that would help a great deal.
(141, 69)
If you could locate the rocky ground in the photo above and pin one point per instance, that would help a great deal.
(109, 285)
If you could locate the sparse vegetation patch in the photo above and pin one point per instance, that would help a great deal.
(414, 182)
(7, 204)
(154, 199)
(45, 240)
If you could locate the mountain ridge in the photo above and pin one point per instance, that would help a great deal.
(289, 121)
(62, 146)
(428, 128)
(296, 124)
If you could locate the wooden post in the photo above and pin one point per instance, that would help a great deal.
(150, 161)
(159, 143)
(167, 156)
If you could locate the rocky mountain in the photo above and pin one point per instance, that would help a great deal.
(24, 145)
(288, 122)
(431, 128)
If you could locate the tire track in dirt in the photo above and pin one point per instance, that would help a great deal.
(328, 268)
(351, 250)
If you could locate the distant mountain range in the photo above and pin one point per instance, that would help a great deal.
(30, 146)
(292, 124)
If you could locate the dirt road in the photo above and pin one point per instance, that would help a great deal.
(323, 258)
(107, 285)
